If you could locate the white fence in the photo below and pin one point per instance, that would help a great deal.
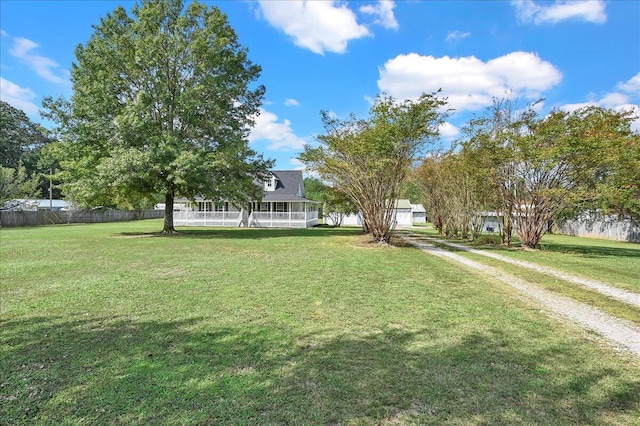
(46, 217)
(602, 227)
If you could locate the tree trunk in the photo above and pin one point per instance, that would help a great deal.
(507, 229)
(168, 214)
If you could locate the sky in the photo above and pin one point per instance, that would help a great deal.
(337, 56)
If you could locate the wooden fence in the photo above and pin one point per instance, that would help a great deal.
(47, 217)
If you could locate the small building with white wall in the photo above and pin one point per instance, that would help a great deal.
(404, 214)
(418, 214)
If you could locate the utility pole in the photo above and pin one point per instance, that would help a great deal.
(50, 190)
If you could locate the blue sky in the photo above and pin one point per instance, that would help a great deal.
(331, 55)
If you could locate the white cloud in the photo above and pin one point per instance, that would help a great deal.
(455, 36)
(448, 130)
(468, 82)
(384, 12)
(3, 33)
(631, 86)
(614, 98)
(291, 102)
(315, 25)
(280, 135)
(18, 97)
(586, 10)
(43, 66)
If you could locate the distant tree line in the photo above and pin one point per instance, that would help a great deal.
(527, 169)
(26, 164)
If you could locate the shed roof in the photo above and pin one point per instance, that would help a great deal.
(418, 208)
(403, 204)
(39, 203)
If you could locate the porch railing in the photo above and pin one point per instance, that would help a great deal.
(195, 218)
(283, 219)
(256, 219)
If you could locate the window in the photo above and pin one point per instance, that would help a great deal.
(281, 207)
(263, 207)
(221, 207)
(204, 206)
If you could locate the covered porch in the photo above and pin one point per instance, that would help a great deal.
(283, 214)
(263, 214)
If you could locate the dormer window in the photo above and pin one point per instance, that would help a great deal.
(270, 184)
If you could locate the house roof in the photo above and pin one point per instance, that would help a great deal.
(37, 203)
(403, 204)
(289, 187)
(418, 208)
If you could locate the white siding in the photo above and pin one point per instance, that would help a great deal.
(403, 217)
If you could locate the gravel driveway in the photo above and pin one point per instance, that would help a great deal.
(617, 331)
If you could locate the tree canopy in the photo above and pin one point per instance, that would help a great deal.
(369, 159)
(20, 138)
(532, 170)
(162, 103)
(21, 147)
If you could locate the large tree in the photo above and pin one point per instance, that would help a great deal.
(163, 99)
(369, 159)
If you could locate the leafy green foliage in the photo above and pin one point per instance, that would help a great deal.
(162, 103)
(22, 143)
(20, 138)
(369, 159)
(533, 170)
(334, 203)
(16, 183)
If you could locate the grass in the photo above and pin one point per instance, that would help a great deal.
(614, 262)
(559, 252)
(111, 323)
(580, 293)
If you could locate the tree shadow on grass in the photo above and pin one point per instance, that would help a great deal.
(248, 233)
(591, 250)
(122, 371)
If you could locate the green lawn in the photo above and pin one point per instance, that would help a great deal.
(614, 262)
(112, 324)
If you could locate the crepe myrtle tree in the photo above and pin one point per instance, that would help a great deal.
(560, 165)
(163, 99)
(369, 159)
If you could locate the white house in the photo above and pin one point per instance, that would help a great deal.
(403, 214)
(283, 205)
